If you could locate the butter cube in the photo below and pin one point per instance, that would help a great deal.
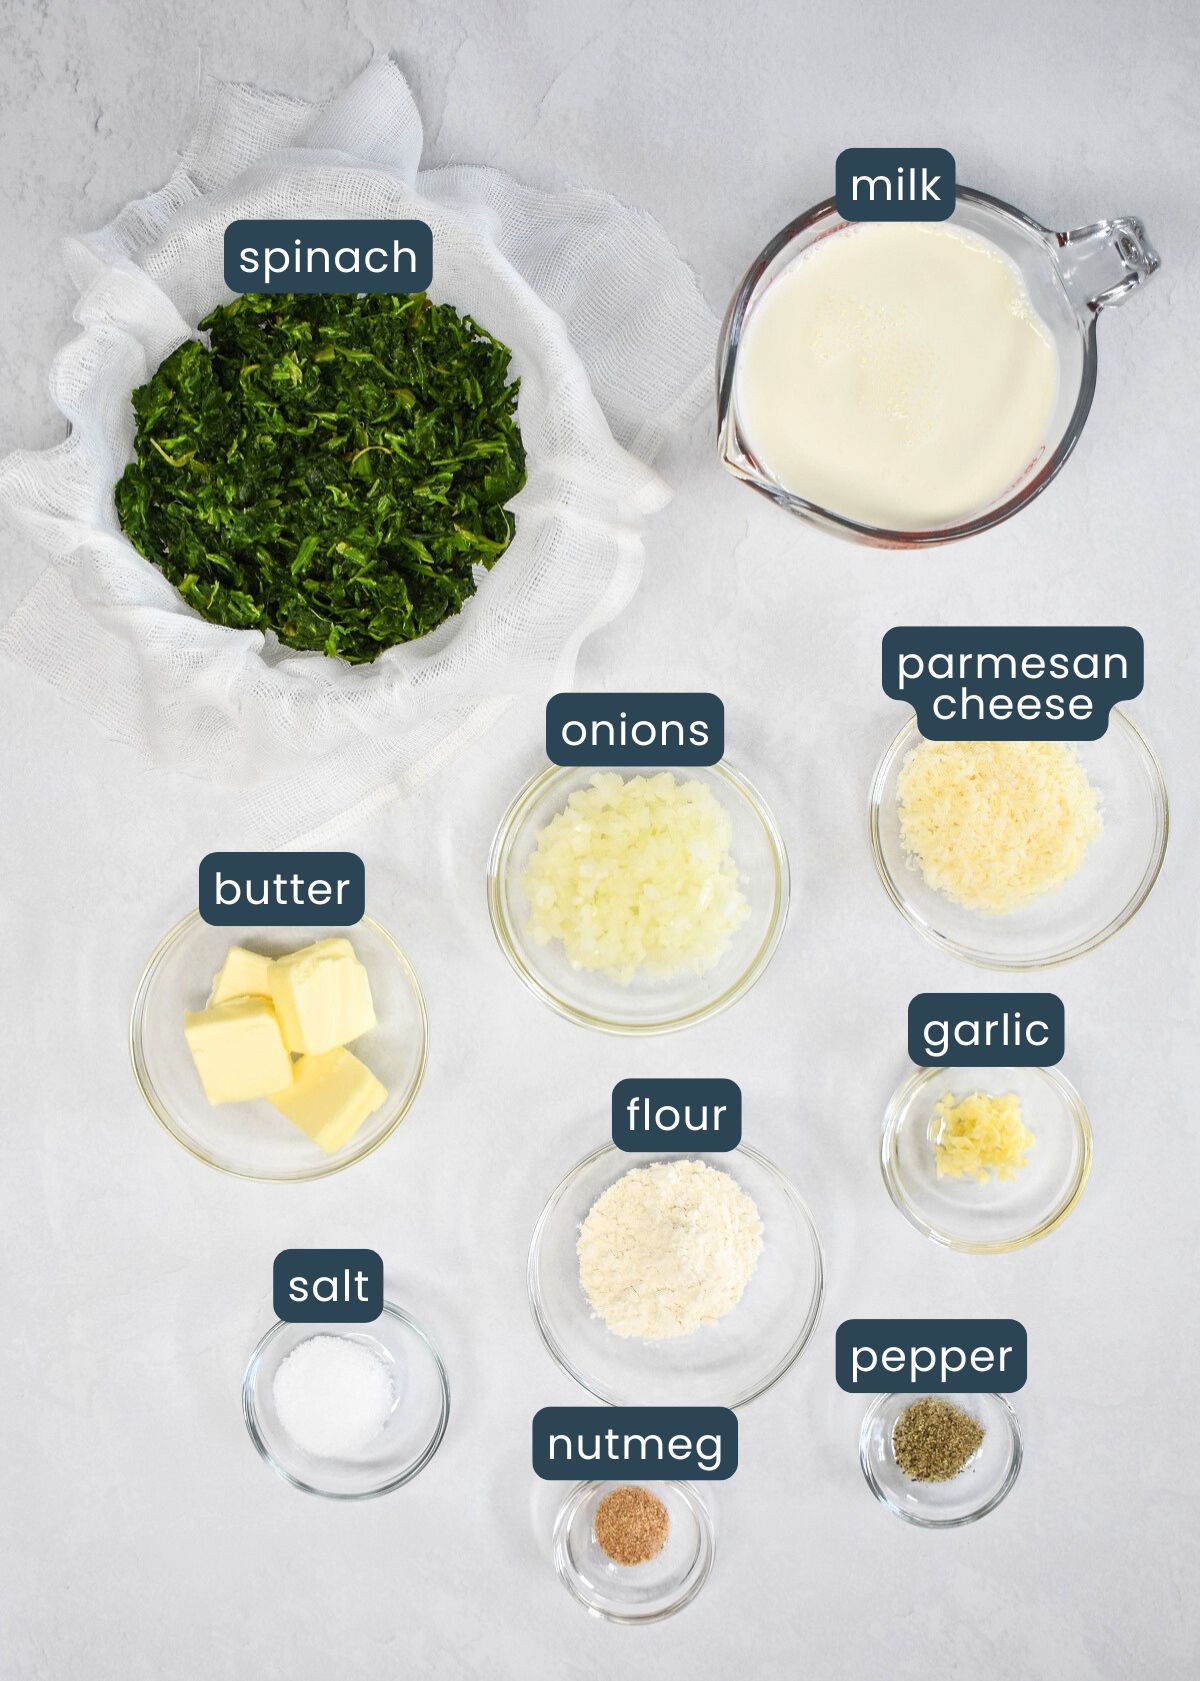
(330, 1097)
(322, 996)
(244, 974)
(238, 1049)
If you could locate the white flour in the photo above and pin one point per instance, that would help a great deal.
(668, 1248)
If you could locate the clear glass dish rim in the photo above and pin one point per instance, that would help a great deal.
(250, 1414)
(1016, 1458)
(322, 1170)
(498, 860)
(596, 1387)
(575, 1497)
(932, 1076)
(989, 960)
(881, 536)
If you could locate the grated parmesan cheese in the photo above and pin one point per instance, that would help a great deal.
(635, 876)
(995, 825)
(978, 1135)
(668, 1248)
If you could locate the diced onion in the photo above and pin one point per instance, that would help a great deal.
(637, 877)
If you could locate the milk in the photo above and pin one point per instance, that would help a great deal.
(897, 374)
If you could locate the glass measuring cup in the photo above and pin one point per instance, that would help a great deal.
(1070, 277)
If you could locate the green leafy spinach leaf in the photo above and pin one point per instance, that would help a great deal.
(331, 468)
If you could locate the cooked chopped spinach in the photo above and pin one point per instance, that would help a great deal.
(330, 467)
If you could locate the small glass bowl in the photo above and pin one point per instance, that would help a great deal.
(979, 1487)
(634, 1593)
(1114, 880)
(409, 1439)
(727, 1364)
(251, 1140)
(994, 1218)
(645, 1005)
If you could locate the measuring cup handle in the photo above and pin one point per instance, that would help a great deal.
(1104, 262)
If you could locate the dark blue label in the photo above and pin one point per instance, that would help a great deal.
(336, 1286)
(622, 729)
(894, 184)
(272, 889)
(612, 1444)
(986, 1029)
(315, 255)
(1012, 682)
(934, 1356)
(684, 1115)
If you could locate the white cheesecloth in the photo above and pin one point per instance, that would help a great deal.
(614, 346)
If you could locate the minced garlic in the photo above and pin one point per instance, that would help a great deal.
(637, 876)
(980, 1134)
(995, 824)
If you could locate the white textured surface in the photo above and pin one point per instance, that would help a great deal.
(141, 1537)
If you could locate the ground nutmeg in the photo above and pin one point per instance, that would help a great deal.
(631, 1525)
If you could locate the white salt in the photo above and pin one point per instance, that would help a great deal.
(333, 1396)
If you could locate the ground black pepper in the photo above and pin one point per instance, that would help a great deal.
(933, 1440)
